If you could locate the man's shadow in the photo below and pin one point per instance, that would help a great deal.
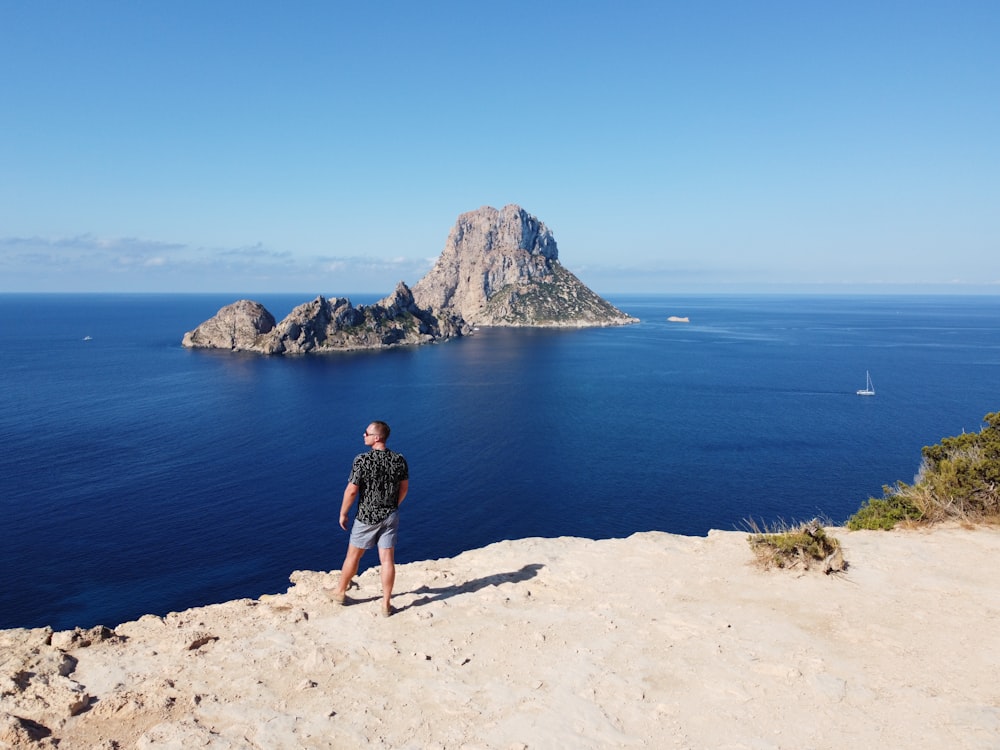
(431, 595)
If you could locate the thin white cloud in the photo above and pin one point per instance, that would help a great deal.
(89, 243)
(86, 262)
(257, 251)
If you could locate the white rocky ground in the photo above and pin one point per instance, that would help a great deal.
(656, 641)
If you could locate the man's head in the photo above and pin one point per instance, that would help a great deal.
(378, 431)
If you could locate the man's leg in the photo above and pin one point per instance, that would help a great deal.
(387, 558)
(348, 571)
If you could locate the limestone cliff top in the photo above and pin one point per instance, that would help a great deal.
(652, 641)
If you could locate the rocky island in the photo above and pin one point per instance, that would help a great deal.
(498, 268)
(501, 268)
(324, 325)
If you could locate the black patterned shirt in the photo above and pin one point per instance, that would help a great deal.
(378, 474)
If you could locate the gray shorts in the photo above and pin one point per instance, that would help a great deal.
(366, 536)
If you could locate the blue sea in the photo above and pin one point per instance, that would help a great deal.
(138, 477)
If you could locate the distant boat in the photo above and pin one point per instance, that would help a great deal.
(678, 319)
(87, 338)
(869, 389)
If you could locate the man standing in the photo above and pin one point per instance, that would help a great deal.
(380, 478)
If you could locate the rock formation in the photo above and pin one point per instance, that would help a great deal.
(498, 268)
(241, 326)
(324, 325)
(501, 268)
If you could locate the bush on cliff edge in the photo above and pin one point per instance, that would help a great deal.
(805, 545)
(959, 479)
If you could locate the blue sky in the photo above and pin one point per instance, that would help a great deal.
(327, 147)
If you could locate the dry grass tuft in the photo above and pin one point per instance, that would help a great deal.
(805, 546)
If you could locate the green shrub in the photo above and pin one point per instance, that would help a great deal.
(959, 479)
(804, 545)
(884, 513)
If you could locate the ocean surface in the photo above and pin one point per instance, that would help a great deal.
(140, 477)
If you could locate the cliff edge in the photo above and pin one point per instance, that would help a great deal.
(530, 643)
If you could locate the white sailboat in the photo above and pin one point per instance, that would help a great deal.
(869, 389)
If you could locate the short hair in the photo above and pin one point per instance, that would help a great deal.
(382, 428)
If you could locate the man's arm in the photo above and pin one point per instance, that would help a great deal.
(350, 495)
(404, 486)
